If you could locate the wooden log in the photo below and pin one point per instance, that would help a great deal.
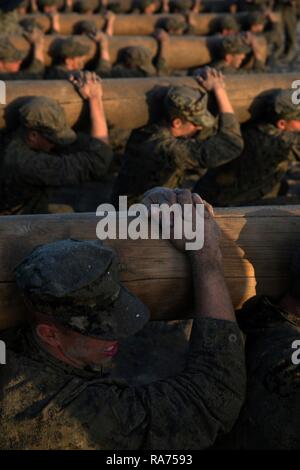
(257, 245)
(127, 101)
(135, 24)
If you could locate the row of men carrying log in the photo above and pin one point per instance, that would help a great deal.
(187, 146)
(146, 6)
(143, 57)
(178, 24)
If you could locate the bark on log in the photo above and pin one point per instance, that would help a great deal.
(128, 102)
(135, 24)
(257, 245)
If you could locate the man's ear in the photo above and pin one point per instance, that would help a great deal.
(48, 334)
(69, 63)
(31, 136)
(281, 124)
(176, 123)
(228, 58)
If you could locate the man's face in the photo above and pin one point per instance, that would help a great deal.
(21, 11)
(37, 142)
(292, 125)
(50, 9)
(85, 350)
(10, 67)
(183, 128)
(150, 9)
(228, 32)
(75, 63)
(257, 28)
(235, 60)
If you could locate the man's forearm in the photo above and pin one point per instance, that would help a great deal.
(99, 128)
(212, 298)
(38, 52)
(162, 52)
(104, 52)
(223, 101)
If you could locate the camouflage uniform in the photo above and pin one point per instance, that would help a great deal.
(26, 173)
(175, 26)
(155, 158)
(181, 6)
(234, 45)
(9, 17)
(30, 24)
(88, 27)
(272, 33)
(85, 6)
(270, 416)
(288, 11)
(257, 173)
(255, 5)
(9, 23)
(47, 404)
(8, 53)
(60, 50)
(230, 23)
(133, 61)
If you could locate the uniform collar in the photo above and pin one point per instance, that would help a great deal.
(269, 129)
(262, 312)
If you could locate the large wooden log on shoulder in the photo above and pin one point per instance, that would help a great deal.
(128, 102)
(135, 24)
(257, 244)
(177, 56)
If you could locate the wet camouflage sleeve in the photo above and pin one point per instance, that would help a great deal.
(162, 67)
(58, 72)
(270, 416)
(155, 158)
(9, 23)
(35, 71)
(73, 166)
(257, 172)
(106, 70)
(292, 143)
(185, 412)
(223, 147)
(274, 36)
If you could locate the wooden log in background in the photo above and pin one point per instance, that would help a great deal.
(127, 101)
(135, 24)
(257, 245)
(183, 51)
